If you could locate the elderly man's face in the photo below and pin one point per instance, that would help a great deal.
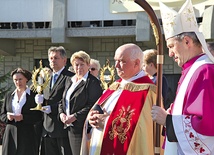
(126, 68)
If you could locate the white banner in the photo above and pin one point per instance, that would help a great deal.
(119, 6)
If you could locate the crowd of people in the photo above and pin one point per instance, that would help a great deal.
(78, 117)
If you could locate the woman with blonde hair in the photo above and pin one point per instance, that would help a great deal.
(81, 92)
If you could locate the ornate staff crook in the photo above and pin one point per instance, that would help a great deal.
(159, 43)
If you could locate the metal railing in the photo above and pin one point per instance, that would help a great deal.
(70, 24)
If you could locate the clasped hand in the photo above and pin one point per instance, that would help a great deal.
(15, 117)
(67, 119)
(97, 120)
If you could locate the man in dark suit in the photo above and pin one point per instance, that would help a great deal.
(55, 137)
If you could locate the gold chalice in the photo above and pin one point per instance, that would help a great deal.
(107, 75)
(40, 80)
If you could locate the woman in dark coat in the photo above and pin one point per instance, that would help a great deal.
(19, 137)
(81, 92)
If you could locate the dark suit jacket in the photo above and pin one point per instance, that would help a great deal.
(52, 126)
(81, 100)
(20, 133)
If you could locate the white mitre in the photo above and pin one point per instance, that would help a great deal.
(175, 23)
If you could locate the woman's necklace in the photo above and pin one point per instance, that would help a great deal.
(19, 94)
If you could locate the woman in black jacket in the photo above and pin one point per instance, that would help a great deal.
(19, 137)
(81, 92)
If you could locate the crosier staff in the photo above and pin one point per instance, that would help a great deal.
(159, 43)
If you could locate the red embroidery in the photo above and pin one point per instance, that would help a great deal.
(202, 150)
(193, 138)
(187, 117)
(191, 135)
(196, 144)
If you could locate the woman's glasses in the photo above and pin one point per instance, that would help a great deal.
(92, 69)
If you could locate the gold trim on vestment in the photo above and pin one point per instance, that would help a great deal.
(133, 87)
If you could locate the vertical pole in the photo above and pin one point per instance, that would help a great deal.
(159, 43)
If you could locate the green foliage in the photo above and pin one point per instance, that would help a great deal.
(5, 89)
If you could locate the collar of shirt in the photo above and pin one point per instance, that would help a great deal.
(138, 75)
(27, 90)
(74, 78)
(190, 62)
(59, 72)
(17, 104)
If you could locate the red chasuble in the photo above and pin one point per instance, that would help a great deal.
(123, 119)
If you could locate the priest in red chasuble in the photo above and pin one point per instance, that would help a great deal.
(123, 125)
